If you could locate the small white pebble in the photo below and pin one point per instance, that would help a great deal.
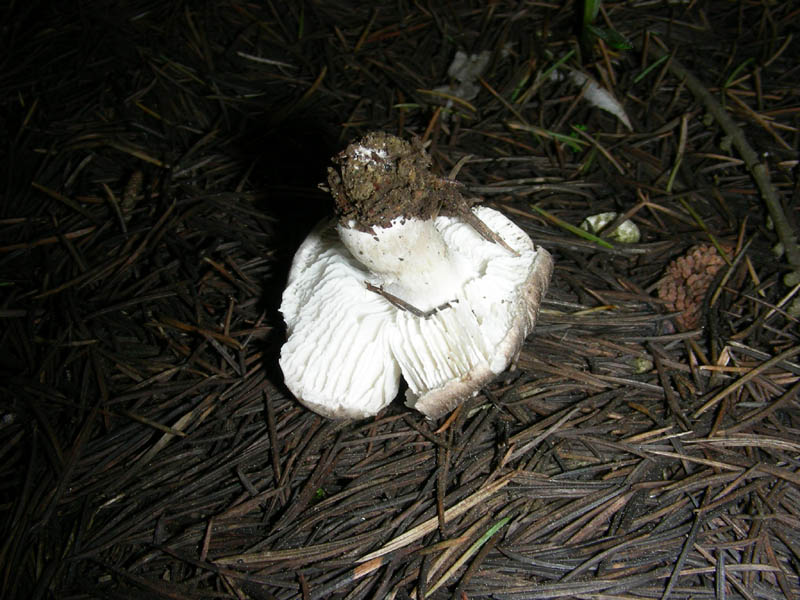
(626, 233)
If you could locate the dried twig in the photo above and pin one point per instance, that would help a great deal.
(754, 165)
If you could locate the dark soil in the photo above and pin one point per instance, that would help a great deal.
(381, 177)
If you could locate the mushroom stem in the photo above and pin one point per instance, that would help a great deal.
(409, 259)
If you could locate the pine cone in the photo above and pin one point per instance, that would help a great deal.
(685, 283)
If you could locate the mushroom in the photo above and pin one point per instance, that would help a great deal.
(409, 280)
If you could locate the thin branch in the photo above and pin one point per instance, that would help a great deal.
(757, 168)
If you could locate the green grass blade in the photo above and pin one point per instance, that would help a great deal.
(572, 229)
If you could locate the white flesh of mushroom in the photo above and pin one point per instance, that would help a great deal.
(348, 345)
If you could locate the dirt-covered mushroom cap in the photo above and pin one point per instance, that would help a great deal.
(410, 280)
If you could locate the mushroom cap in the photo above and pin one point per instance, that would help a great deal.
(348, 346)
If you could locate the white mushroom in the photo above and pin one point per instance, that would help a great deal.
(409, 281)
